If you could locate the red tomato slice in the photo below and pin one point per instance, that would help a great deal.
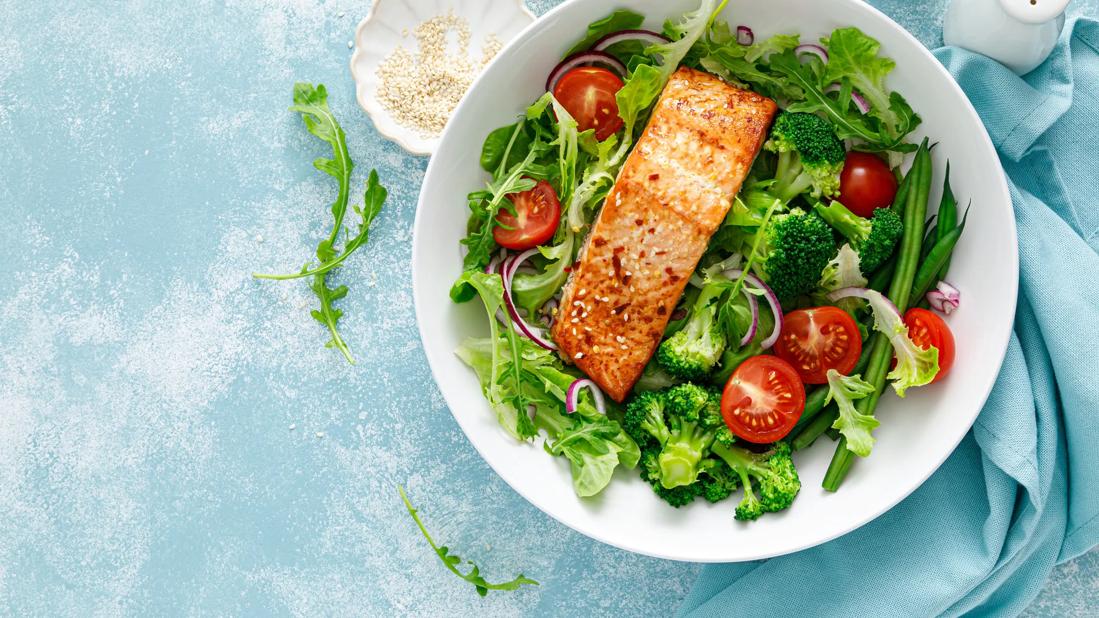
(763, 400)
(927, 329)
(816, 340)
(588, 94)
(537, 213)
(866, 183)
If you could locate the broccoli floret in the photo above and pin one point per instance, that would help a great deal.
(795, 249)
(676, 496)
(679, 424)
(693, 350)
(874, 239)
(718, 481)
(770, 480)
(810, 156)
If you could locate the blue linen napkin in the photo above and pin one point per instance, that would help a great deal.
(1021, 492)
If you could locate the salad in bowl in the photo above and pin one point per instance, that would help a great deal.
(700, 252)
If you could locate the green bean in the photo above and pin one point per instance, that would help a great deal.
(833, 433)
(902, 192)
(948, 216)
(928, 274)
(929, 240)
(883, 275)
(809, 434)
(900, 293)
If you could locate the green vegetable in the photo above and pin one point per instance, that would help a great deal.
(817, 426)
(312, 103)
(452, 560)
(855, 426)
(776, 482)
(621, 19)
(733, 357)
(680, 423)
(853, 59)
(937, 258)
(696, 348)
(507, 401)
(810, 156)
(848, 122)
(796, 248)
(883, 344)
(948, 216)
(844, 271)
(594, 443)
(874, 238)
(747, 65)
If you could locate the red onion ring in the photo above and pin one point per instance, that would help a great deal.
(744, 35)
(861, 103)
(812, 49)
(753, 306)
(507, 272)
(863, 293)
(645, 36)
(572, 397)
(582, 59)
(772, 300)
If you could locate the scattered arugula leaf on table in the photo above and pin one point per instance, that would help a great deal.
(452, 560)
(312, 103)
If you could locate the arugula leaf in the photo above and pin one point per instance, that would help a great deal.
(622, 19)
(328, 315)
(509, 403)
(452, 560)
(312, 103)
(373, 199)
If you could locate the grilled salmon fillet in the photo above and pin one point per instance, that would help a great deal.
(671, 195)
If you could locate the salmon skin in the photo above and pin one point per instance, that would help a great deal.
(671, 195)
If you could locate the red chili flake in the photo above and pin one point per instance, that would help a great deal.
(661, 310)
(639, 222)
(654, 176)
(599, 241)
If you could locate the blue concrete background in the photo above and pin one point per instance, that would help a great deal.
(173, 437)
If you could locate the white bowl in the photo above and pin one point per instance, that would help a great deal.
(917, 434)
(384, 29)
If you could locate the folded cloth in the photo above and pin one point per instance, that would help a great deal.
(1021, 492)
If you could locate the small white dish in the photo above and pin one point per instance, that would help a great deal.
(917, 433)
(389, 25)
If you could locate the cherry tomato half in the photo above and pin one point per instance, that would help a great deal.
(537, 213)
(763, 399)
(818, 339)
(588, 94)
(927, 329)
(866, 183)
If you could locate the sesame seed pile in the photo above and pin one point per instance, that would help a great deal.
(421, 90)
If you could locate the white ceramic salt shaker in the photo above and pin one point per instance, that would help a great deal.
(1020, 34)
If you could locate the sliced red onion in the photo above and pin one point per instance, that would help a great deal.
(772, 300)
(860, 103)
(572, 397)
(813, 49)
(863, 293)
(645, 36)
(945, 298)
(744, 35)
(753, 306)
(584, 59)
(507, 272)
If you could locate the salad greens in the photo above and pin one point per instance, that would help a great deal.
(312, 103)
(792, 239)
(451, 560)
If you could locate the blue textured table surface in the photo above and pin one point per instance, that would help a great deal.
(174, 439)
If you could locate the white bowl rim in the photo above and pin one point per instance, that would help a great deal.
(856, 522)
